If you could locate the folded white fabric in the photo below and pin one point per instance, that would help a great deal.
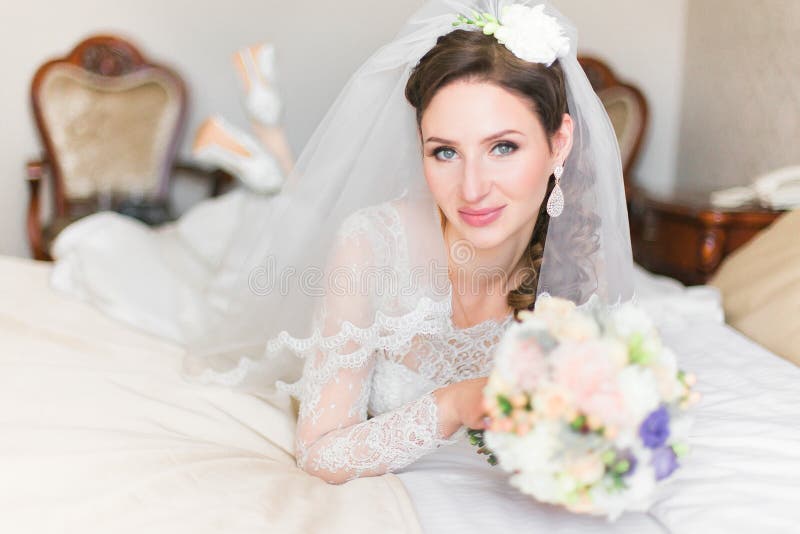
(732, 197)
(153, 279)
(784, 198)
(778, 190)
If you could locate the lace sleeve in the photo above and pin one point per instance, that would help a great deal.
(371, 447)
(335, 439)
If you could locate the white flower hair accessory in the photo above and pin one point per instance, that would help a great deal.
(528, 32)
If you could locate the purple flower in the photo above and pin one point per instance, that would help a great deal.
(655, 429)
(664, 462)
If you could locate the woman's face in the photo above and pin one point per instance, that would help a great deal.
(487, 161)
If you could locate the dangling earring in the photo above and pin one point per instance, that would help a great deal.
(555, 204)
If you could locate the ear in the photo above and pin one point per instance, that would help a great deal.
(562, 140)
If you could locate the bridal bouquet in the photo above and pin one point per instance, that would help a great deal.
(586, 409)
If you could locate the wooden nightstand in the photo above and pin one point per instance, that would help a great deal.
(684, 237)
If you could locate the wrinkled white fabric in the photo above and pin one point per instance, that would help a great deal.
(739, 478)
(155, 279)
(99, 434)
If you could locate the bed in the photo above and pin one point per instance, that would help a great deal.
(99, 433)
(743, 474)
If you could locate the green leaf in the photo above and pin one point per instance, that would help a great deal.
(636, 351)
(680, 449)
(578, 422)
(504, 404)
(622, 467)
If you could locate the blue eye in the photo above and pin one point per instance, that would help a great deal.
(503, 149)
(444, 153)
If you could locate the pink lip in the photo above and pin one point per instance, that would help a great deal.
(480, 217)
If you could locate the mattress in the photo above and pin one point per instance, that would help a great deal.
(743, 474)
(100, 434)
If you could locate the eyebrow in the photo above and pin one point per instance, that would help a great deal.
(486, 140)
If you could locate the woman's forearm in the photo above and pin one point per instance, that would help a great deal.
(385, 443)
(446, 402)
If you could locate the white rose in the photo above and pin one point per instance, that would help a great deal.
(638, 497)
(638, 387)
(665, 369)
(532, 35)
(628, 316)
(549, 488)
(564, 320)
(586, 469)
(553, 306)
(617, 352)
(629, 321)
(573, 327)
(532, 452)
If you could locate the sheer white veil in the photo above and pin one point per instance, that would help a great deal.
(366, 151)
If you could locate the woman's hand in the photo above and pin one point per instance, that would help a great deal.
(461, 404)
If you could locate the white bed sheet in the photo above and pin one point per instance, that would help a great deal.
(100, 434)
(743, 475)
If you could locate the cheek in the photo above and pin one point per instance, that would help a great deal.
(440, 180)
(526, 180)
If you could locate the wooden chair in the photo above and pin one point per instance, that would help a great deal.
(110, 122)
(626, 107)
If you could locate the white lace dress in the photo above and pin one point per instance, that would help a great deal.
(366, 402)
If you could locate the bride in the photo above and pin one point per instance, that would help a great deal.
(466, 169)
(494, 132)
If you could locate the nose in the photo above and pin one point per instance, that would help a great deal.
(475, 184)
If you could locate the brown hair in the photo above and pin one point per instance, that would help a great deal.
(471, 55)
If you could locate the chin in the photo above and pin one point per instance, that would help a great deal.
(485, 237)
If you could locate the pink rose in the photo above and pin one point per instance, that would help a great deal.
(528, 364)
(590, 376)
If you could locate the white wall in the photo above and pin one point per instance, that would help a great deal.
(319, 42)
(644, 43)
(741, 97)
